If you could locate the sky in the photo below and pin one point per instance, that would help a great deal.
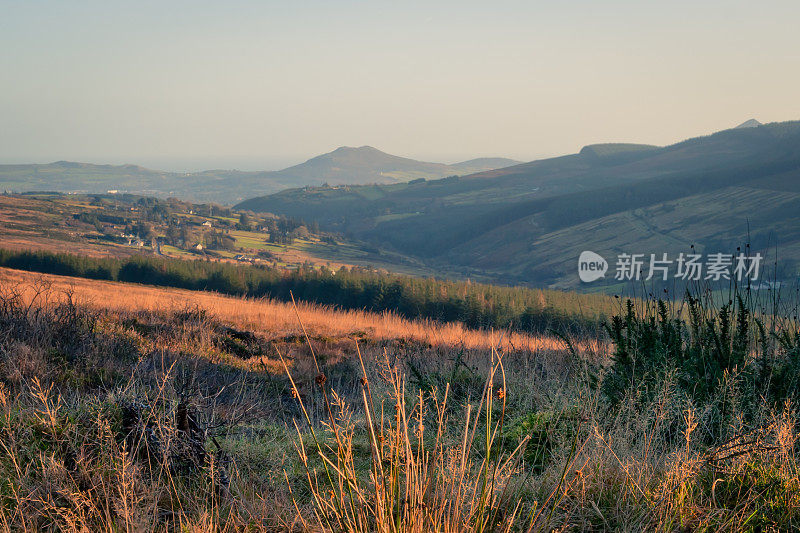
(186, 85)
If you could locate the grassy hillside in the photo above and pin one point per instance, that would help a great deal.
(134, 408)
(476, 305)
(529, 222)
(121, 225)
(352, 166)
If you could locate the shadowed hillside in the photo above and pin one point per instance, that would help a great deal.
(529, 222)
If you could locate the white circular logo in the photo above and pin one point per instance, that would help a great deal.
(591, 266)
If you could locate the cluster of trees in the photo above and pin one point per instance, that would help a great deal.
(161, 211)
(218, 240)
(143, 230)
(213, 210)
(285, 230)
(476, 305)
(245, 222)
(181, 235)
(177, 233)
(148, 218)
(149, 214)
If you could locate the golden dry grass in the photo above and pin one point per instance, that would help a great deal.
(364, 462)
(270, 316)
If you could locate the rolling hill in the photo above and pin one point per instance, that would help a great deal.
(343, 165)
(528, 223)
(365, 164)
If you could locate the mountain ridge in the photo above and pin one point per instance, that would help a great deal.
(344, 165)
(501, 225)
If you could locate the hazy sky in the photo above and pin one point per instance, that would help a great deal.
(263, 84)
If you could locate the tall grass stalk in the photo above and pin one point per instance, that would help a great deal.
(416, 479)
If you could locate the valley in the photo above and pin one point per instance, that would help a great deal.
(527, 224)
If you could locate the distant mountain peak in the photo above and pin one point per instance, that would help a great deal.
(752, 123)
(365, 148)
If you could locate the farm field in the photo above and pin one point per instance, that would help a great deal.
(122, 226)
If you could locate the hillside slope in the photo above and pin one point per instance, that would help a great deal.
(366, 164)
(509, 224)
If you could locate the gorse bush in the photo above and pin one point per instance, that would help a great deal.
(711, 351)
